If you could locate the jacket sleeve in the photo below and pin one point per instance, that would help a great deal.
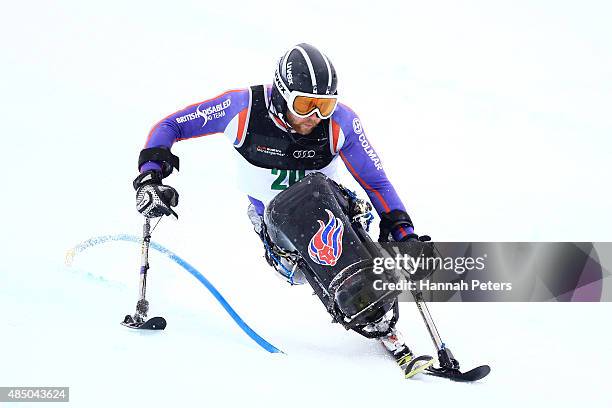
(224, 113)
(364, 164)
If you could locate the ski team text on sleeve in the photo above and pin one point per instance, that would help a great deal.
(225, 113)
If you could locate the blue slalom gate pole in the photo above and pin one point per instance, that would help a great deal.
(189, 268)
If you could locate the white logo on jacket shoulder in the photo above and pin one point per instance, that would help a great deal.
(357, 126)
(209, 113)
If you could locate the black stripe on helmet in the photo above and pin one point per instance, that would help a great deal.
(319, 65)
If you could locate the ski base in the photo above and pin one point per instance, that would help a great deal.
(454, 374)
(154, 323)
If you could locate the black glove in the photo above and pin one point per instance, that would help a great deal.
(415, 237)
(391, 222)
(153, 199)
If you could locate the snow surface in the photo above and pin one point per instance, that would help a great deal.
(493, 123)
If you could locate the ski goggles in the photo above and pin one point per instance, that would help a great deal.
(303, 104)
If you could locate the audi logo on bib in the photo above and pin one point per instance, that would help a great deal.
(304, 154)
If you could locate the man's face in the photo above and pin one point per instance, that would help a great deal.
(303, 126)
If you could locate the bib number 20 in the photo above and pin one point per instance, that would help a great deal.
(286, 178)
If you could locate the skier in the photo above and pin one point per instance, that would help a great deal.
(292, 130)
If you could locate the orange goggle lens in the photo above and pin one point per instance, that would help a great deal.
(305, 105)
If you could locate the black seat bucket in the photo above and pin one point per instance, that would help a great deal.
(311, 218)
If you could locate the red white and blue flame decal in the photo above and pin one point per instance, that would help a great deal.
(325, 247)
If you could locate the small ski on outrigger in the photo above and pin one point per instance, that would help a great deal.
(139, 319)
(448, 365)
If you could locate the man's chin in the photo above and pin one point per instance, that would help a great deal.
(305, 130)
